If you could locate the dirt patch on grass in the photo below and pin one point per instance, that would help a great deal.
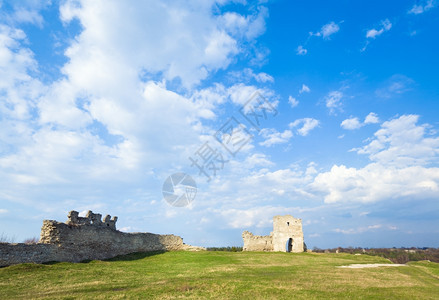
(361, 266)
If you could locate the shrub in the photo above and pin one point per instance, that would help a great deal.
(228, 249)
(32, 240)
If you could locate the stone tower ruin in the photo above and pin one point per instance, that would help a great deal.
(287, 236)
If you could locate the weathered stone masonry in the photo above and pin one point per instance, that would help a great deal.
(287, 236)
(86, 238)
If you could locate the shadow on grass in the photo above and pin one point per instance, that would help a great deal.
(126, 257)
(135, 256)
(52, 262)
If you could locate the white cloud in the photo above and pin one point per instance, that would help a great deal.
(385, 26)
(377, 183)
(201, 42)
(354, 123)
(293, 101)
(255, 186)
(250, 26)
(255, 216)
(241, 93)
(3, 211)
(396, 85)
(98, 125)
(351, 124)
(19, 90)
(273, 137)
(327, 30)
(258, 160)
(308, 124)
(259, 77)
(125, 229)
(304, 89)
(371, 118)
(401, 142)
(400, 155)
(424, 6)
(333, 101)
(359, 229)
(301, 51)
(263, 77)
(26, 12)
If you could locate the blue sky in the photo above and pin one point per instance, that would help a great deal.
(101, 101)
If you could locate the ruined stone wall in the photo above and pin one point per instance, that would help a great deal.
(83, 240)
(26, 253)
(257, 242)
(95, 242)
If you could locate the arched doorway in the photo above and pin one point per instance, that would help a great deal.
(289, 245)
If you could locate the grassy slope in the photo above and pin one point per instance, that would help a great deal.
(224, 275)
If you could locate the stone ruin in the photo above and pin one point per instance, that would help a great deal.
(91, 219)
(87, 238)
(287, 236)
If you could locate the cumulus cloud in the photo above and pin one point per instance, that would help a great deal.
(258, 186)
(422, 7)
(327, 30)
(304, 89)
(105, 122)
(190, 57)
(250, 26)
(241, 93)
(301, 51)
(350, 124)
(371, 118)
(400, 154)
(333, 101)
(307, 124)
(248, 75)
(355, 123)
(273, 137)
(256, 216)
(401, 142)
(263, 77)
(20, 91)
(385, 26)
(377, 183)
(258, 160)
(293, 101)
(371, 34)
(26, 12)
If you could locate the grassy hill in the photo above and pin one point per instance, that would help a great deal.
(222, 275)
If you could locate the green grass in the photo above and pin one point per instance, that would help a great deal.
(222, 275)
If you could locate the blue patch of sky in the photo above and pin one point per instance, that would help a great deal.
(49, 42)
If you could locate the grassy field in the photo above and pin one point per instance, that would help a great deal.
(222, 275)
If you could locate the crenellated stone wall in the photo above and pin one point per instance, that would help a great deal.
(86, 238)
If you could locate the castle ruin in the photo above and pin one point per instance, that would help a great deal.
(86, 238)
(287, 236)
